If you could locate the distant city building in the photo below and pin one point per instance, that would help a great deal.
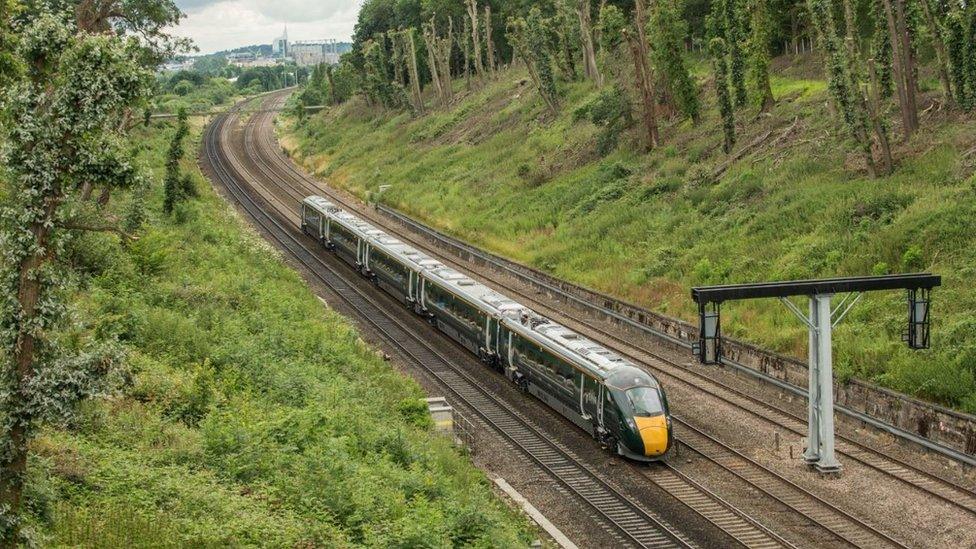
(313, 52)
(174, 66)
(241, 57)
(279, 46)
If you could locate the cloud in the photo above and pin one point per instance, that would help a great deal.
(225, 24)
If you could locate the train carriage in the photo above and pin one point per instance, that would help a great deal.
(622, 406)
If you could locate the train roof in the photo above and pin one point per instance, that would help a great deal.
(600, 361)
(321, 204)
(597, 359)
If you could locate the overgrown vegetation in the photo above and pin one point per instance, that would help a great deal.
(244, 413)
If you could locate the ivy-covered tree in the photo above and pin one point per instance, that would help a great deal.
(666, 30)
(759, 44)
(733, 34)
(720, 67)
(528, 39)
(175, 186)
(842, 83)
(62, 126)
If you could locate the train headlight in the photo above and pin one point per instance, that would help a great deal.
(631, 424)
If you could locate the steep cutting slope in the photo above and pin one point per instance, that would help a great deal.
(791, 202)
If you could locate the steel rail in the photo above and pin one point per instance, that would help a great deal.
(788, 500)
(638, 525)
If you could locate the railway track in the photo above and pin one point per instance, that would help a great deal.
(926, 482)
(633, 524)
(838, 524)
(711, 507)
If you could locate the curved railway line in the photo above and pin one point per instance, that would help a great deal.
(924, 481)
(633, 524)
(711, 507)
(841, 525)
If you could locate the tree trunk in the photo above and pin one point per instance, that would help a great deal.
(430, 39)
(940, 53)
(887, 163)
(903, 65)
(586, 34)
(489, 42)
(414, 72)
(13, 467)
(479, 66)
(645, 89)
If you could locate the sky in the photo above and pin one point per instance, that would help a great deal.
(216, 25)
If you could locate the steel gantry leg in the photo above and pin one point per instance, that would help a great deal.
(827, 462)
(812, 455)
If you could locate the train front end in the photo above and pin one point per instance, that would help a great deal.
(646, 431)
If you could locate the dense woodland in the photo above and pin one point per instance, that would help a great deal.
(407, 52)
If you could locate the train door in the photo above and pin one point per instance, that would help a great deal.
(360, 252)
(589, 397)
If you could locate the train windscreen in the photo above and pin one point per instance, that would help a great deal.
(646, 401)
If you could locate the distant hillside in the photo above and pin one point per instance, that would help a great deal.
(792, 201)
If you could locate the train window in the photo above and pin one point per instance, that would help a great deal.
(645, 401)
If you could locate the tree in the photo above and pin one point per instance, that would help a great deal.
(643, 74)
(667, 30)
(759, 43)
(63, 125)
(475, 29)
(591, 69)
(903, 55)
(174, 187)
(439, 58)
(721, 69)
(731, 32)
(489, 41)
(528, 44)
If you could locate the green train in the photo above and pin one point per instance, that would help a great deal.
(620, 405)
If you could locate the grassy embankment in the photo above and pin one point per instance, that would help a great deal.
(252, 416)
(496, 170)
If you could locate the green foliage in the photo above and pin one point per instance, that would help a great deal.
(721, 70)
(611, 26)
(175, 185)
(61, 127)
(666, 30)
(733, 33)
(611, 110)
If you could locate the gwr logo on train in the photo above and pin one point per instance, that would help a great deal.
(621, 406)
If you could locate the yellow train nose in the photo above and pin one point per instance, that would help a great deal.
(654, 434)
